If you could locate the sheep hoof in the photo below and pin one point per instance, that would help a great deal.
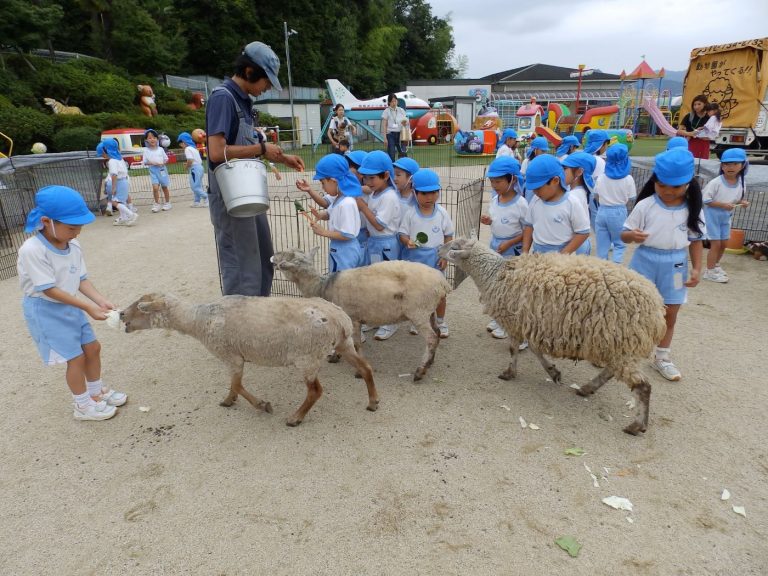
(293, 422)
(334, 358)
(419, 374)
(358, 375)
(267, 407)
(555, 375)
(373, 405)
(586, 390)
(507, 375)
(226, 402)
(635, 428)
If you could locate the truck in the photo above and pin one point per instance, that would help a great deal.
(735, 76)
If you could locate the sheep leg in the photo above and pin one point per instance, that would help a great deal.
(550, 367)
(236, 382)
(349, 354)
(314, 391)
(641, 389)
(511, 371)
(430, 332)
(596, 383)
(255, 402)
(357, 339)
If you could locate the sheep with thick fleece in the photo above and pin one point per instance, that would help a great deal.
(264, 331)
(574, 307)
(382, 293)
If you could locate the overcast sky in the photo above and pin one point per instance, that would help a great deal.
(610, 35)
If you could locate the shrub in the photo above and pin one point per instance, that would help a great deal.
(19, 93)
(108, 92)
(80, 138)
(26, 125)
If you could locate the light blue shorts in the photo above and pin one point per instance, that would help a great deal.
(513, 250)
(584, 249)
(59, 330)
(667, 269)
(159, 176)
(122, 191)
(718, 223)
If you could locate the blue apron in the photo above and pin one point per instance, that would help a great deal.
(344, 254)
(383, 248)
(584, 249)
(362, 239)
(424, 255)
(513, 250)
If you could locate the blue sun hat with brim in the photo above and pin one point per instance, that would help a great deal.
(735, 155)
(617, 162)
(538, 143)
(677, 142)
(541, 170)
(503, 166)
(378, 162)
(335, 166)
(508, 133)
(100, 148)
(356, 157)
(112, 150)
(595, 140)
(587, 163)
(674, 167)
(566, 145)
(59, 203)
(408, 165)
(426, 180)
(186, 138)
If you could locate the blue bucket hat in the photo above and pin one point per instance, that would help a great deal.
(735, 155)
(617, 162)
(426, 180)
(566, 144)
(149, 131)
(377, 162)
(595, 140)
(677, 142)
(674, 167)
(186, 137)
(356, 157)
(541, 170)
(503, 166)
(508, 133)
(335, 166)
(100, 148)
(110, 147)
(408, 165)
(587, 163)
(538, 143)
(59, 203)
(263, 56)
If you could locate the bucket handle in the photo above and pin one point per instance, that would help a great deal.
(225, 157)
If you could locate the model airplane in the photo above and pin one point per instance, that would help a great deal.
(364, 110)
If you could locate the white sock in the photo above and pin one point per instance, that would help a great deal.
(94, 388)
(125, 214)
(83, 399)
(663, 354)
(440, 319)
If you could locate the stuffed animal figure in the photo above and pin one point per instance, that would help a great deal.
(198, 101)
(59, 108)
(147, 100)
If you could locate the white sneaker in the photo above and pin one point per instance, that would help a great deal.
(413, 330)
(113, 397)
(667, 369)
(523, 345)
(120, 222)
(167, 206)
(499, 333)
(195, 205)
(204, 203)
(363, 337)
(713, 276)
(132, 208)
(133, 220)
(720, 271)
(443, 331)
(109, 211)
(366, 328)
(385, 332)
(492, 325)
(94, 411)
(156, 207)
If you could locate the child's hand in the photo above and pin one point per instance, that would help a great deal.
(315, 213)
(485, 219)
(743, 203)
(442, 263)
(317, 228)
(367, 190)
(304, 186)
(411, 244)
(693, 279)
(106, 305)
(638, 236)
(728, 206)
(96, 312)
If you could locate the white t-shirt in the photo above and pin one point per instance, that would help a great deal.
(117, 168)
(580, 193)
(505, 150)
(555, 223)
(385, 205)
(667, 226)
(599, 168)
(343, 216)
(710, 130)
(508, 218)
(616, 192)
(42, 266)
(718, 190)
(193, 154)
(436, 226)
(394, 118)
(154, 156)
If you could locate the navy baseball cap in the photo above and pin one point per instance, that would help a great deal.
(263, 56)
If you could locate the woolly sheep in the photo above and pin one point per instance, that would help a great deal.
(573, 307)
(382, 293)
(264, 331)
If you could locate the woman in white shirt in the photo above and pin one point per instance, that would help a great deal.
(392, 121)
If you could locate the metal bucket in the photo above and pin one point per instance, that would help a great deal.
(243, 185)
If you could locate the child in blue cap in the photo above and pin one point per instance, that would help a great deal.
(382, 216)
(556, 220)
(51, 272)
(194, 165)
(667, 222)
(567, 146)
(155, 159)
(355, 159)
(424, 228)
(117, 174)
(506, 216)
(405, 168)
(721, 196)
(579, 168)
(508, 143)
(537, 147)
(677, 142)
(615, 189)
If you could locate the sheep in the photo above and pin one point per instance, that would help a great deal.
(382, 293)
(574, 307)
(263, 331)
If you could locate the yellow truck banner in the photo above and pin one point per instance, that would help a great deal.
(732, 75)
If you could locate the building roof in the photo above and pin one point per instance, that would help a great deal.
(543, 72)
(643, 71)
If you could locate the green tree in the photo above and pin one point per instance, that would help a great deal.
(26, 24)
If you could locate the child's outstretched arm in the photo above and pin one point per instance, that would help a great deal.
(89, 290)
(368, 213)
(91, 308)
(305, 187)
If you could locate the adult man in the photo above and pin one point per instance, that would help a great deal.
(244, 245)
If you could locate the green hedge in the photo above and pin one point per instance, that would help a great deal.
(25, 126)
(79, 138)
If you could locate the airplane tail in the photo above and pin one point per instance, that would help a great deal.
(339, 94)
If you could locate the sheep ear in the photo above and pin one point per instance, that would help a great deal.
(313, 252)
(152, 306)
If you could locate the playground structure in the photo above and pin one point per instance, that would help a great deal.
(5, 153)
(436, 127)
(632, 113)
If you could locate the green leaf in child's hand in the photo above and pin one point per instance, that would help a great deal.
(421, 238)
(569, 544)
(299, 206)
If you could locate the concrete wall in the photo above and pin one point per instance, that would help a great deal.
(425, 92)
(307, 116)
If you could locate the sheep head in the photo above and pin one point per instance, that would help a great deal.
(149, 311)
(456, 250)
(292, 261)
